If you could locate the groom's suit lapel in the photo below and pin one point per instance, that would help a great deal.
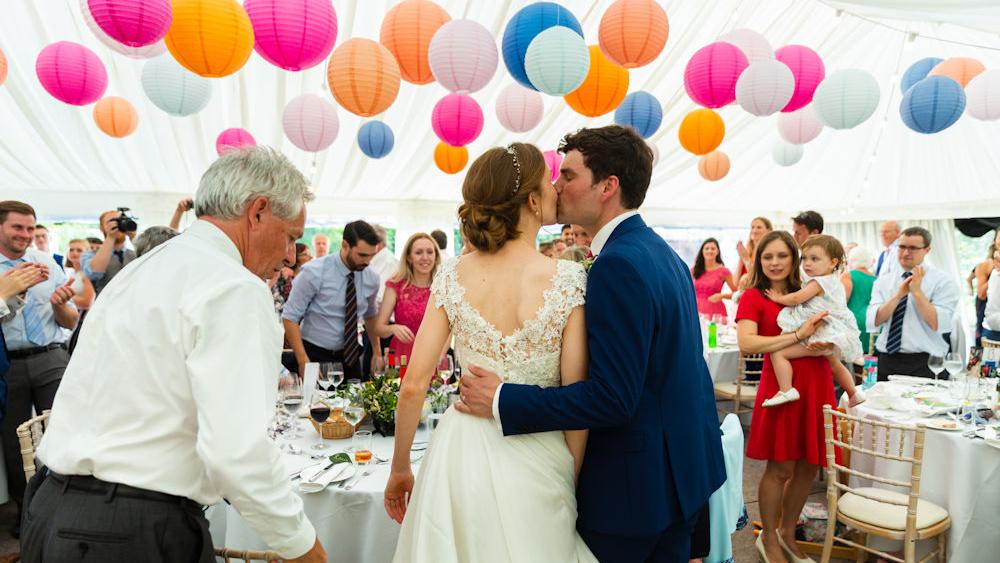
(633, 223)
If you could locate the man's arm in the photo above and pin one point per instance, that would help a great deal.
(304, 289)
(941, 303)
(98, 262)
(182, 206)
(371, 326)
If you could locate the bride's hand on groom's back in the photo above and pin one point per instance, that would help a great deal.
(397, 494)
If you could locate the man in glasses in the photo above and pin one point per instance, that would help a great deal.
(913, 309)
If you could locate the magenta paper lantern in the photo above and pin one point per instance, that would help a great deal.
(72, 73)
(134, 23)
(519, 109)
(457, 119)
(293, 34)
(808, 70)
(147, 52)
(310, 122)
(232, 139)
(554, 160)
(711, 74)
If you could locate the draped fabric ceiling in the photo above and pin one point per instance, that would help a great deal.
(53, 155)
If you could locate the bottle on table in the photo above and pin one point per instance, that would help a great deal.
(402, 367)
(713, 335)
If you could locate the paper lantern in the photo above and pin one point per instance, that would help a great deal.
(917, 72)
(846, 98)
(375, 139)
(553, 160)
(518, 109)
(982, 96)
(457, 119)
(233, 139)
(640, 111)
(134, 23)
(557, 61)
(449, 159)
(293, 34)
(3, 67)
(754, 45)
(765, 87)
(808, 70)
(115, 116)
(363, 77)
(210, 38)
(656, 152)
(310, 122)
(173, 88)
(407, 31)
(959, 69)
(701, 131)
(800, 126)
(932, 105)
(787, 154)
(522, 29)
(602, 90)
(711, 73)
(463, 56)
(71, 73)
(633, 32)
(154, 50)
(713, 166)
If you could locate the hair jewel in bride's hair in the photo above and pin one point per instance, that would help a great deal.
(517, 166)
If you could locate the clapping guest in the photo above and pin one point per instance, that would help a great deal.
(759, 227)
(710, 274)
(858, 282)
(42, 242)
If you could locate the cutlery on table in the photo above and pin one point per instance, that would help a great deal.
(357, 480)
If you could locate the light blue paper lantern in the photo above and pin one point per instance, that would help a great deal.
(375, 139)
(932, 105)
(787, 154)
(557, 61)
(522, 29)
(917, 72)
(173, 88)
(640, 111)
(846, 98)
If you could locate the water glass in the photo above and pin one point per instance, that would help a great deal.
(935, 364)
(361, 443)
(954, 364)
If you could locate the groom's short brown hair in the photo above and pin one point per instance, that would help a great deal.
(615, 151)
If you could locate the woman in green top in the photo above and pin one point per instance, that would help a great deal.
(858, 281)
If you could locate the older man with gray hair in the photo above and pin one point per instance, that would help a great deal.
(164, 406)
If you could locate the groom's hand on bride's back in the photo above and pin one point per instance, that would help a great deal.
(476, 392)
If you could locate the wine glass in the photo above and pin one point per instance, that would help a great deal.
(320, 412)
(291, 401)
(336, 374)
(935, 364)
(954, 363)
(324, 378)
(446, 367)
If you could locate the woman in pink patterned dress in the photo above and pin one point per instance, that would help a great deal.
(709, 276)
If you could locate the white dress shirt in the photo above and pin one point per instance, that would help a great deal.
(384, 264)
(890, 264)
(992, 319)
(173, 383)
(39, 298)
(918, 336)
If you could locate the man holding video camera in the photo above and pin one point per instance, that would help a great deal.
(102, 266)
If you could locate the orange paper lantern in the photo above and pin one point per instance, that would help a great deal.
(407, 31)
(959, 69)
(633, 32)
(713, 166)
(211, 38)
(3, 67)
(115, 116)
(363, 77)
(603, 89)
(450, 159)
(701, 131)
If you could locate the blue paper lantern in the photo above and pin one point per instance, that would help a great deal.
(641, 111)
(917, 72)
(375, 139)
(526, 24)
(933, 104)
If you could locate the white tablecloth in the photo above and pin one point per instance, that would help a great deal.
(723, 363)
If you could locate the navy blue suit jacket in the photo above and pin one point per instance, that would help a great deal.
(654, 454)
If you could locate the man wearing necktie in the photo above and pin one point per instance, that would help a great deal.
(102, 266)
(887, 262)
(912, 308)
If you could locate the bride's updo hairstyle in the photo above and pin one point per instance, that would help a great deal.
(497, 185)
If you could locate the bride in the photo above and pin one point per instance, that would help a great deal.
(482, 497)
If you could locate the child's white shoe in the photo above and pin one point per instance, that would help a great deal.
(857, 399)
(782, 397)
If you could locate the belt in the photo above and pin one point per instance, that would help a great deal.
(91, 484)
(28, 352)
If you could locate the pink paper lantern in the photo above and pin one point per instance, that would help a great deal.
(293, 34)
(519, 109)
(554, 160)
(134, 23)
(232, 139)
(457, 119)
(310, 122)
(808, 70)
(71, 73)
(800, 126)
(147, 52)
(711, 74)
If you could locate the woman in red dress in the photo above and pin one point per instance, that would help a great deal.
(710, 274)
(790, 437)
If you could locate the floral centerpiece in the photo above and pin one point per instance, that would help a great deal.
(380, 397)
(438, 394)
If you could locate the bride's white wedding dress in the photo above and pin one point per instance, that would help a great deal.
(483, 497)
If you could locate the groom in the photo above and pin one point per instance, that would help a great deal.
(654, 455)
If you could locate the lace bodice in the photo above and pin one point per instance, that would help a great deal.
(531, 353)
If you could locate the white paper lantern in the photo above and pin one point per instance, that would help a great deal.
(846, 98)
(173, 88)
(519, 109)
(557, 61)
(310, 122)
(754, 45)
(463, 56)
(656, 152)
(800, 126)
(787, 154)
(145, 52)
(765, 87)
(983, 96)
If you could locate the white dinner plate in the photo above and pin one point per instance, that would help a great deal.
(942, 424)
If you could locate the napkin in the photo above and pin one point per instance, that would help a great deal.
(307, 485)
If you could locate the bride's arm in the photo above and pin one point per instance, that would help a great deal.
(573, 368)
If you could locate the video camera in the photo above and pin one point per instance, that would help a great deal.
(126, 224)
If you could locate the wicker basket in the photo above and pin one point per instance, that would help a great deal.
(335, 427)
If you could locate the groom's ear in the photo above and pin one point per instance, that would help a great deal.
(611, 188)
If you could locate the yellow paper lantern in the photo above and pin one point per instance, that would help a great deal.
(115, 116)
(407, 31)
(363, 77)
(701, 131)
(449, 159)
(633, 32)
(211, 38)
(959, 69)
(603, 89)
(713, 166)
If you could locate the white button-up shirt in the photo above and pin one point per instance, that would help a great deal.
(918, 336)
(39, 298)
(890, 261)
(173, 383)
(992, 319)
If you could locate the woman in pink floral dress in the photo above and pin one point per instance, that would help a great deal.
(709, 276)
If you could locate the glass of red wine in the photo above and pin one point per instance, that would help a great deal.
(320, 412)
